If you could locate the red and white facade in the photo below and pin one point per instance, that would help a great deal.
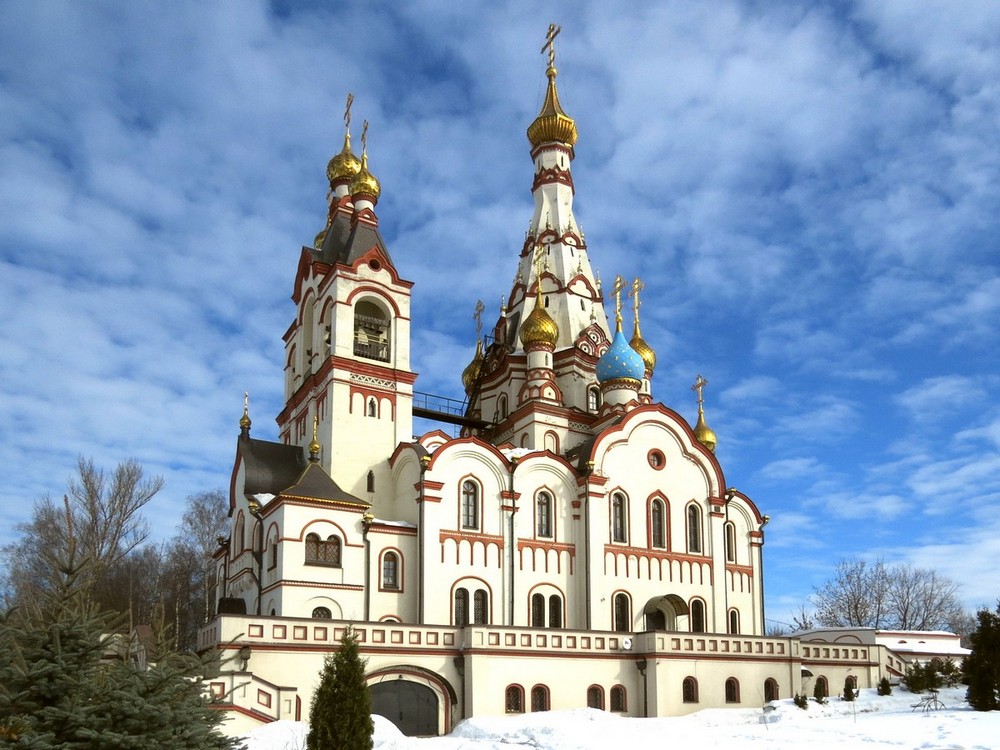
(578, 546)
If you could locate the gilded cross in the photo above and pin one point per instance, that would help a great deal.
(364, 137)
(637, 285)
(539, 254)
(699, 386)
(478, 316)
(617, 291)
(347, 112)
(550, 38)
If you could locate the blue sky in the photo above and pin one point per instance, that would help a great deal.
(810, 192)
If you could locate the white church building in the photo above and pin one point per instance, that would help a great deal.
(569, 542)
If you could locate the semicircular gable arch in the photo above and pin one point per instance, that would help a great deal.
(671, 423)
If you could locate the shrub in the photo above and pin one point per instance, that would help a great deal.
(819, 691)
(801, 701)
(848, 689)
(921, 677)
(884, 688)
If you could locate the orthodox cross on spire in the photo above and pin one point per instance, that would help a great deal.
(347, 112)
(314, 446)
(478, 316)
(550, 38)
(245, 419)
(539, 254)
(617, 291)
(364, 138)
(699, 386)
(637, 285)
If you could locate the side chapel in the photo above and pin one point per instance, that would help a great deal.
(576, 544)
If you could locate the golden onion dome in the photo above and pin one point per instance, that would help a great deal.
(539, 328)
(471, 372)
(344, 166)
(703, 433)
(644, 350)
(318, 242)
(364, 183)
(552, 123)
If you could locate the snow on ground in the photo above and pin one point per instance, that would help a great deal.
(872, 722)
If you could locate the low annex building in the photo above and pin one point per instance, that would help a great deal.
(574, 544)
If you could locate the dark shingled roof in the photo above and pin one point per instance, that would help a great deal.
(345, 244)
(316, 484)
(270, 467)
(280, 469)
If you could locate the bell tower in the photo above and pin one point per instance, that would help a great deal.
(347, 353)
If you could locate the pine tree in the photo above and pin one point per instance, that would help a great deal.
(340, 717)
(63, 684)
(982, 666)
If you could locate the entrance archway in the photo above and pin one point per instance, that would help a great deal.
(412, 707)
(661, 612)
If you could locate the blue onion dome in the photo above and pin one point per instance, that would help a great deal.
(620, 361)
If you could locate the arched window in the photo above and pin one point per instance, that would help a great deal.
(595, 697)
(371, 481)
(657, 524)
(593, 399)
(325, 553)
(734, 621)
(694, 528)
(371, 332)
(730, 542)
(543, 514)
(514, 699)
(461, 607)
(732, 690)
(372, 408)
(390, 570)
(480, 607)
(537, 611)
(697, 616)
(239, 534)
(618, 699)
(322, 613)
(822, 686)
(555, 611)
(619, 516)
(539, 698)
(689, 690)
(770, 690)
(502, 406)
(470, 505)
(623, 619)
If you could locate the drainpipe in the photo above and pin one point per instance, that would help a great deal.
(511, 552)
(586, 539)
(424, 463)
(729, 495)
(760, 558)
(366, 523)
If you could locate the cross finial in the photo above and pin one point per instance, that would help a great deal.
(478, 316)
(364, 138)
(539, 252)
(347, 112)
(245, 419)
(617, 291)
(550, 38)
(699, 386)
(637, 286)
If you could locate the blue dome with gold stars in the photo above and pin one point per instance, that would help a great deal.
(620, 361)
